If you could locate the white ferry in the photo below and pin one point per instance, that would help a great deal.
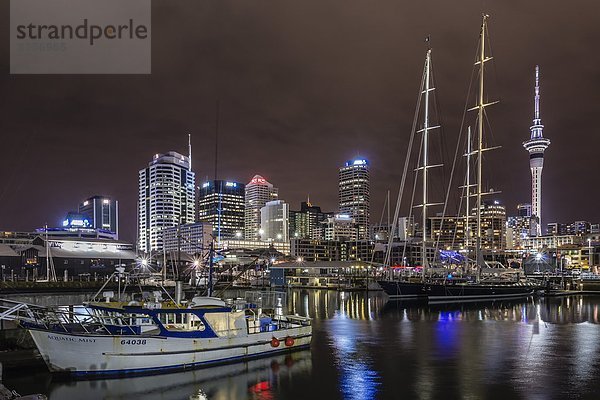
(117, 338)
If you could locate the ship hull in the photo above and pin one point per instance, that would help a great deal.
(440, 293)
(474, 292)
(403, 290)
(92, 355)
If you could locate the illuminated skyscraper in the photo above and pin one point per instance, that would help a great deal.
(258, 193)
(221, 204)
(354, 198)
(166, 198)
(536, 147)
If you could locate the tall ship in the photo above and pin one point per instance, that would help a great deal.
(447, 288)
(152, 335)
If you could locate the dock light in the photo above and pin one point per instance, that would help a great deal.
(538, 257)
(273, 260)
(299, 259)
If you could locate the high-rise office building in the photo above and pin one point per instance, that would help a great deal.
(166, 198)
(102, 211)
(520, 226)
(449, 231)
(524, 210)
(274, 221)
(258, 193)
(340, 227)
(305, 224)
(536, 146)
(354, 198)
(221, 204)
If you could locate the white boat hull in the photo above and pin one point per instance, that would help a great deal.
(87, 354)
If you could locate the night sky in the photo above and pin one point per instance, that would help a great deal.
(303, 86)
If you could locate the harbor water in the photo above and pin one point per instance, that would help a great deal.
(365, 347)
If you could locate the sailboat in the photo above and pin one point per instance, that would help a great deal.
(453, 290)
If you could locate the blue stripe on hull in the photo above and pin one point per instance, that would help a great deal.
(181, 367)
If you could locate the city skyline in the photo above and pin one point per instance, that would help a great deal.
(335, 93)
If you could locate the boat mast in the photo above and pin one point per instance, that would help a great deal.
(427, 88)
(482, 59)
(425, 158)
(468, 190)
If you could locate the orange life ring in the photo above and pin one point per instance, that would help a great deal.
(274, 342)
(289, 341)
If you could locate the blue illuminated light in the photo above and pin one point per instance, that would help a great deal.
(447, 334)
(206, 184)
(75, 222)
(357, 162)
(451, 257)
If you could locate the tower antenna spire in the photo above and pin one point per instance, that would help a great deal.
(537, 96)
(536, 146)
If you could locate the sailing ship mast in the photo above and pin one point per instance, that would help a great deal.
(468, 189)
(425, 157)
(480, 107)
(425, 166)
(425, 89)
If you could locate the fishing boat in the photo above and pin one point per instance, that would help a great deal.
(448, 288)
(149, 336)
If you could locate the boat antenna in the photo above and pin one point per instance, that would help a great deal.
(211, 256)
(190, 150)
(220, 188)
(217, 118)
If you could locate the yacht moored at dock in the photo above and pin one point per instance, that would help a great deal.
(447, 287)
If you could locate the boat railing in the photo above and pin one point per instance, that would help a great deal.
(589, 276)
(291, 321)
(267, 299)
(64, 319)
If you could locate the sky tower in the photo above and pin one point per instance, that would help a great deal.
(536, 147)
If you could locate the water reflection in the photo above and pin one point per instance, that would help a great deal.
(253, 379)
(367, 347)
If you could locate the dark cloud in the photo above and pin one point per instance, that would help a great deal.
(303, 86)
